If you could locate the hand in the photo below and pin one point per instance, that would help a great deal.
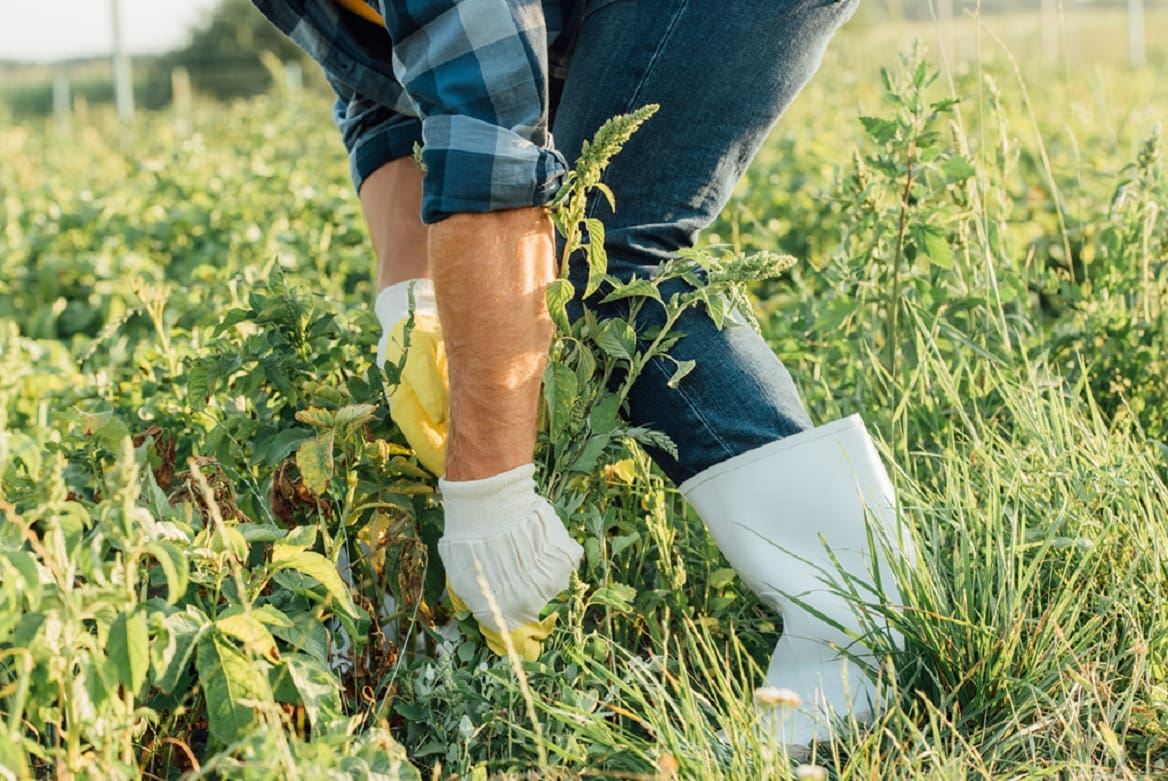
(527, 639)
(418, 403)
(501, 528)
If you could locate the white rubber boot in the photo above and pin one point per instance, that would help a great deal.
(775, 511)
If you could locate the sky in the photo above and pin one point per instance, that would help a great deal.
(47, 30)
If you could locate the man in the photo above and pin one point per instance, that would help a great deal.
(479, 84)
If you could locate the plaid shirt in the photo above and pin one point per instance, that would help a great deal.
(475, 94)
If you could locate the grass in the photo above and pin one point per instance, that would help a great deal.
(185, 342)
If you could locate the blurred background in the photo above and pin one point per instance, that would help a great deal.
(61, 57)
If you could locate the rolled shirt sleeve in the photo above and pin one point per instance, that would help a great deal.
(476, 72)
(468, 78)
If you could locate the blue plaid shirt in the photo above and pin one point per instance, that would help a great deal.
(468, 79)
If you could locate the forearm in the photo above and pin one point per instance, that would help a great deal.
(391, 199)
(491, 273)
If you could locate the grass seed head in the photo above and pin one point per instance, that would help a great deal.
(810, 773)
(771, 696)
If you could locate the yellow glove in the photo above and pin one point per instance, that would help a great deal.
(526, 639)
(418, 403)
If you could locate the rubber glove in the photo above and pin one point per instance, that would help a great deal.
(418, 403)
(522, 548)
(527, 639)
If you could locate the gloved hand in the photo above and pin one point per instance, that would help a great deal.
(419, 402)
(526, 639)
(520, 544)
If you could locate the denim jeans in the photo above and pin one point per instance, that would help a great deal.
(722, 73)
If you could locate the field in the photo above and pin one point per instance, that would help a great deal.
(194, 446)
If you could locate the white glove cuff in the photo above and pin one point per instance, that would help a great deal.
(393, 303)
(488, 507)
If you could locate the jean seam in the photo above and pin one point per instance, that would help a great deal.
(587, 9)
(632, 101)
(727, 451)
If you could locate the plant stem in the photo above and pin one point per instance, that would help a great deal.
(894, 302)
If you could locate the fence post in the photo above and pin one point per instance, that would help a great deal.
(180, 90)
(948, 32)
(1136, 39)
(123, 81)
(1050, 30)
(62, 101)
(81, 109)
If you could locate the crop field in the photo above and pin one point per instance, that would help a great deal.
(203, 501)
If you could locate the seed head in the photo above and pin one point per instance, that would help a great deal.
(771, 696)
(810, 773)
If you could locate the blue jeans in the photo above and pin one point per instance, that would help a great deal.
(722, 78)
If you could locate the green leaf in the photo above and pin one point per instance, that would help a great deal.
(559, 393)
(716, 306)
(411, 711)
(272, 448)
(353, 416)
(621, 542)
(606, 191)
(585, 365)
(618, 596)
(186, 629)
(881, 130)
(683, 368)
(957, 168)
(935, 244)
(316, 417)
(228, 678)
(597, 257)
(559, 293)
(129, 648)
(301, 537)
(272, 617)
(233, 317)
(605, 414)
(319, 569)
(175, 568)
(266, 532)
(305, 633)
(588, 457)
(107, 428)
(16, 445)
(314, 459)
(921, 74)
(198, 380)
(317, 687)
(617, 339)
(638, 287)
(28, 576)
(249, 631)
(14, 758)
(721, 578)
